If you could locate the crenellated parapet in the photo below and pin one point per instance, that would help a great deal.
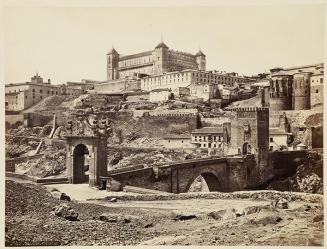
(248, 109)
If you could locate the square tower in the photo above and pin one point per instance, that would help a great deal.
(250, 135)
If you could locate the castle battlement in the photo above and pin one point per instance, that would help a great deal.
(248, 109)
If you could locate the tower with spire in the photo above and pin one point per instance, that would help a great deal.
(112, 65)
(160, 58)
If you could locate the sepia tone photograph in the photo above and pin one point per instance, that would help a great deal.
(163, 124)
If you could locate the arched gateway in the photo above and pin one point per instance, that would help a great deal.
(86, 147)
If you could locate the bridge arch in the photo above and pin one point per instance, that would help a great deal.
(210, 177)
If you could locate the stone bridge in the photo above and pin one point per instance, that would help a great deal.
(221, 174)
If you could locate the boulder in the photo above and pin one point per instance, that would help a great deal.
(183, 216)
(317, 218)
(113, 185)
(281, 203)
(267, 220)
(66, 212)
(109, 218)
(217, 215)
(256, 209)
(116, 218)
(64, 197)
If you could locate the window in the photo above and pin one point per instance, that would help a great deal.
(271, 139)
(321, 80)
(33, 90)
(41, 91)
(317, 91)
(271, 148)
(204, 145)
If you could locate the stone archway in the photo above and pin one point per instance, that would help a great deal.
(211, 179)
(77, 147)
(79, 166)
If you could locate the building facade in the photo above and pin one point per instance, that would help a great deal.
(316, 89)
(177, 142)
(160, 95)
(279, 139)
(23, 95)
(208, 137)
(204, 91)
(184, 78)
(153, 62)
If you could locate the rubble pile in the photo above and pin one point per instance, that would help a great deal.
(123, 156)
(23, 199)
(17, 146)
(53, 163)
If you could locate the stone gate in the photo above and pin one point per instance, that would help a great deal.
(86, 146)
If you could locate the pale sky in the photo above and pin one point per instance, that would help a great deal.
(70, 44)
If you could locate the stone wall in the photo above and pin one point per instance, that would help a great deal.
(36, 119)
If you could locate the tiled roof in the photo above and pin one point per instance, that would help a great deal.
(199, 53)
(182, 136)
(132, 56)
(161, 45)
(277, 131)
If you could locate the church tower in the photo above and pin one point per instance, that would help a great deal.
(201, 60)
(112, 65)
(160, 58)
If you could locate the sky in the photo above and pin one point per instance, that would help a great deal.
(70, 43)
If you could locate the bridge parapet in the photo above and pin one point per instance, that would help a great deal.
(221, 174)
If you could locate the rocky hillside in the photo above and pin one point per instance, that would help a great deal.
(308, 177)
